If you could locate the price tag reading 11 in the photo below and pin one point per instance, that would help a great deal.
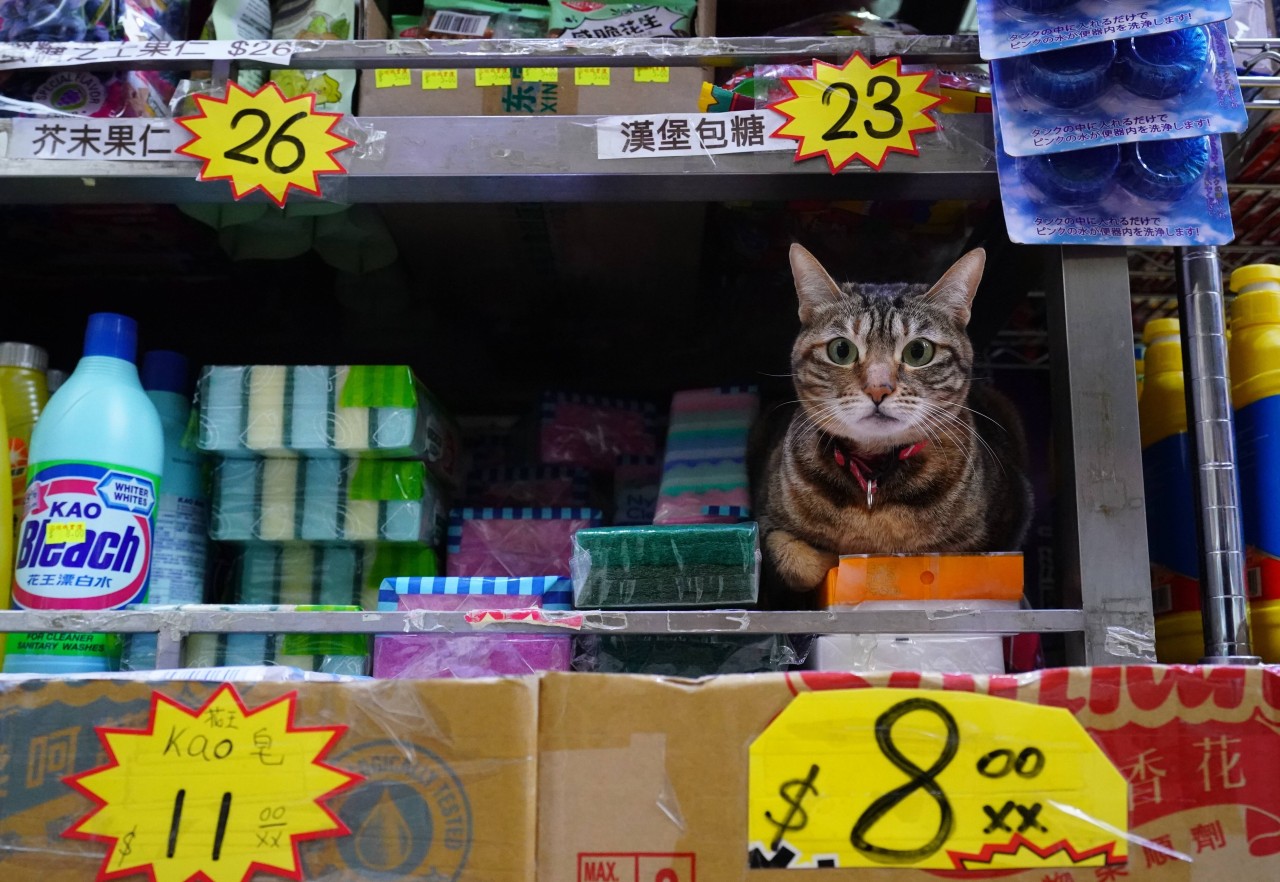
(215, 794)
(931, 780)
(858, 111)
(263, 141)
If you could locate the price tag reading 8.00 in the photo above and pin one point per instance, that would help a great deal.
(264, 141)
(858, 111)
(216, 794)
(932, 780)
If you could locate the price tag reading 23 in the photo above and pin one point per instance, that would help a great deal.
(216, 794)
(264, 141)
(931, 780)
(858, 111)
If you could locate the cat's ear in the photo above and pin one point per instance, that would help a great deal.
(814, 286)
(954, 291)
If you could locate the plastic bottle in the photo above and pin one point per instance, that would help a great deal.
(6, 537)
(1139, 363)
(22, 382)
(54, 379)
(85, 542)
(182, 517)
(1255, 394)
(1166, 473)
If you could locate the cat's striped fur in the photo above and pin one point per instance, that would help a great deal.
(965, 489)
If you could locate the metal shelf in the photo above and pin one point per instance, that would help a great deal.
(536, 159)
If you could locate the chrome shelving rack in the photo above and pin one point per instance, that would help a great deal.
(485, 159)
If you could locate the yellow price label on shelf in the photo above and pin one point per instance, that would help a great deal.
(493, 76)
(652, 75)
(65, 531)
(857, 111)
(387, 78)
(264, 141)
(931, 780)
(439, 79)
(219, 793)
(591, 76)
(540, 74)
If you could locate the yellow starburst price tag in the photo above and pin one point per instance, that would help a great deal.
(263, 141)
(931, 780)
(857, 111)
(215, 794)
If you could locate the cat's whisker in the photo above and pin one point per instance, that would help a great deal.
(943, 413)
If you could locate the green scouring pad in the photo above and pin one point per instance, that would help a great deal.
(686, 565)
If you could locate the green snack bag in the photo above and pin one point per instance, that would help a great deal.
(480, 20)
(589, 20)
(316, 20)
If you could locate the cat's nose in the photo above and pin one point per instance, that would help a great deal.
(878, 393)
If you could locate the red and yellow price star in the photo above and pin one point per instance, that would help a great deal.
(264, 141)
(215, 794)
(856, 111)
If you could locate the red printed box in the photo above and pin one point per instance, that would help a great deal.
(637, 867)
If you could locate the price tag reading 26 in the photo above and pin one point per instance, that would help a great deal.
(264, 141)
(931, 780)
(216, 794)
(857, 111)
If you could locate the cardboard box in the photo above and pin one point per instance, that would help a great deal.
(629, 789)
(449, 774)
(623, 94)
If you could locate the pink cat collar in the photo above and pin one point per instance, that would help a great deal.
(868, 470)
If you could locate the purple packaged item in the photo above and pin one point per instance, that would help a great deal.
(514, 541)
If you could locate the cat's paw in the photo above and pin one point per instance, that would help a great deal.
(801, 566)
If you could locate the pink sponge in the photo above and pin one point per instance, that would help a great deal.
(514, 541)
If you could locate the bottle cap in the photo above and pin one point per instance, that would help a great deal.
(1255, 308)
(1253, 274)
(23, 355)
(1163, 171)
(54, 379)
(1067, 77)
(1041, 7)
(112, 335)
(164, 371)
(1160, 66)
(1161, 327)
(1078, 177)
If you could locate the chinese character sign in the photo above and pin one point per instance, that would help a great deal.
(95, 139)
(685, 134)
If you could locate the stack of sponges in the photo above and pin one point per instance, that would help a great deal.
(329, 479)
(704, 476)
(425, 656)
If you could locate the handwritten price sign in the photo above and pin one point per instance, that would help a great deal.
(215, 794)
(936, 780)
(263, 141)
(858, 111)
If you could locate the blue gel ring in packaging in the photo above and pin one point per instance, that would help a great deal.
(1067, 77)
(1163, 65)
(1041, 7)
(1078, 177)
(1163, 171)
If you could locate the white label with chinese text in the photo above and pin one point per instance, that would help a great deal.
(21, 55)
(685, 134)
(83, 138)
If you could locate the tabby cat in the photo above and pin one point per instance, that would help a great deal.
(892, 449)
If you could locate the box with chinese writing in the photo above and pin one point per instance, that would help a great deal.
(529, 91)
(1186, 756)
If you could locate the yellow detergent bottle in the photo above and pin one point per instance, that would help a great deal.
(1166, 473)
(22, 382)
(6, 535)
(1255, 394)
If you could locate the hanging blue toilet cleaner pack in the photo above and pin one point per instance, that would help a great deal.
(1170, 192)
(1169, 85)
(1007, 28)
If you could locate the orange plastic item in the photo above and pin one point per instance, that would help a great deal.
(863, 577)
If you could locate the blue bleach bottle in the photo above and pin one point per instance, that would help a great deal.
(89, 514)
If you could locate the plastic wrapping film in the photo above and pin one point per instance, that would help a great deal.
(324, 411)
(693, 565)
(704, 473)
(1191, 744)
(445, 783)
(514, 541)
(592, 432)
(140, 93)
(326, 500)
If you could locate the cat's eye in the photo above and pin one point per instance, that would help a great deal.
(842, 351)
(918, 352)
